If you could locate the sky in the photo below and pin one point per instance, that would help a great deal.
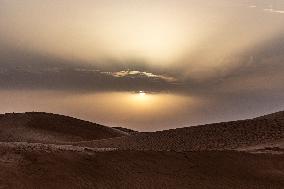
(147, 65)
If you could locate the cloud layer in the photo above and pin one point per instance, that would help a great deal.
(227, 56)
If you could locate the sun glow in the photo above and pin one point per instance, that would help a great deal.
(142, 98)
(142, 93)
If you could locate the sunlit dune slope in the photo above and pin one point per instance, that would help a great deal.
(217, 136)
(51, 128)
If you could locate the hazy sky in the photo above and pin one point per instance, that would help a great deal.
(197, 61)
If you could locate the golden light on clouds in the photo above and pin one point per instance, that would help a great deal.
(160, 33)
(157, 32)
(204, 37)
(156, 38)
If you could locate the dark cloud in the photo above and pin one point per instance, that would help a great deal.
(261, 69)
(24, 70)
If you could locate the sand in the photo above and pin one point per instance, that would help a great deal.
(42, 151)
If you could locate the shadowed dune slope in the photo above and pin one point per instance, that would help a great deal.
(51, 128)
(218, 136)
(43, 167)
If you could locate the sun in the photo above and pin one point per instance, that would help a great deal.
(142, 93)
(141, 98)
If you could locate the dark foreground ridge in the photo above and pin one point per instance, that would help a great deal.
(45, 168)
(42, 151)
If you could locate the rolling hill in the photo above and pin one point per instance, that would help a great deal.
(42, 150)
(217, 136)
(51, 128)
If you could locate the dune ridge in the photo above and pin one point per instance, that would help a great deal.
(42, 151)
(217, 136)
(51, 128)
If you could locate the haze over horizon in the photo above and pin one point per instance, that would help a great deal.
(145, 65)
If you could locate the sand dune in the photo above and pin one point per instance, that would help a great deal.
(51, 128)
(218, 136)
(42, 151)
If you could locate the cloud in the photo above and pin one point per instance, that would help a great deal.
(254, 86)
(79, 78)
(252, 6)
(274, 11)
(259, 67)
(140, 74)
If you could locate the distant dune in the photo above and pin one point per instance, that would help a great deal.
(130, 131)
(51, 128)
(217, 136)
(42, 151)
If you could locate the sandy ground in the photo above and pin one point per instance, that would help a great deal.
(43, 151)
(42, 167)
(275, 147)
